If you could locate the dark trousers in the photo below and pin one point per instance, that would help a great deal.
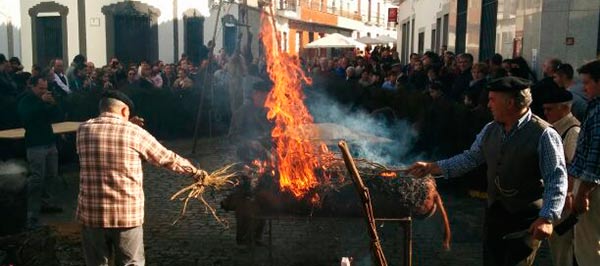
(508, 252)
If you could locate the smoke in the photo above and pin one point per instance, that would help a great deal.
(12, 179)
(13, 167)
(376, 136)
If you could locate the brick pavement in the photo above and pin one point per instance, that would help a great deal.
(199, 240)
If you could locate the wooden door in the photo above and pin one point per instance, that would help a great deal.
(49, 35)
(133, 38)
(194, 39)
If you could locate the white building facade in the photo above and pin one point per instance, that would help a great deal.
(535, 30)
(37, 31)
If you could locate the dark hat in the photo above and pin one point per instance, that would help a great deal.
(506, 84)
(117, 95)
(558, 96)
(263, 86)
(566, 69)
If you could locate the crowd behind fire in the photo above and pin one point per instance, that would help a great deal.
(442, 95)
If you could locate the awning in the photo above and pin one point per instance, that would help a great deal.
(369, 40)
(386, 39)
(335, 40)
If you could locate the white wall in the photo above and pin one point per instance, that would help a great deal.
(425, 13)
(96, 26)
(359, 27)
(10, 13)
(569, 18)
(209, 23)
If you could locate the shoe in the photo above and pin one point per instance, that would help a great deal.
(47, 208)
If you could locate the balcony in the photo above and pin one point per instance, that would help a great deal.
(313, 4)
(288, 5)
(321, 6)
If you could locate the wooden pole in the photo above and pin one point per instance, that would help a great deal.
(208, 80)
(365, 196)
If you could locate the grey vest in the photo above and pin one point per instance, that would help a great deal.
(513, 174)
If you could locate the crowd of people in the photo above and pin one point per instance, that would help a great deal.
(448, 99)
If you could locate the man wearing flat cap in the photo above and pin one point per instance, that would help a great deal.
(110, 207)
(526, 175)
(250, 132)
(557, 109)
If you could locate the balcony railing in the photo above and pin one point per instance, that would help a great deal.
(287, 5)
(322, 6)
(318, 5)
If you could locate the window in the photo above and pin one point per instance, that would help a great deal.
(445, 30)
(487, 40)
(193, 28)
(438, 37)
(369, 12)
(598, 48)
(412, 35)
(284, 42)
(461, 26)
(433, 40)
(131, 22)
(230, 38)
(49, 39)
(421, 42)
(405, 42)
(298, 41)
(379, 18)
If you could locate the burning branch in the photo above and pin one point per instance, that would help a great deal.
(220, 179)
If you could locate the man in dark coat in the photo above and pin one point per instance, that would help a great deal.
(545, 86)
(463, 80)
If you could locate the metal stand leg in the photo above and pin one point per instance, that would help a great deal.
(270, 242)
(408, 242)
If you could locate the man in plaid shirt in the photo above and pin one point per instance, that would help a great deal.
(111, 148)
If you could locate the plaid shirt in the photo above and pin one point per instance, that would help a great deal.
(111, 151)
(586, 164)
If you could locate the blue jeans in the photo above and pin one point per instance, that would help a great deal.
(43, 165)
(100, 243)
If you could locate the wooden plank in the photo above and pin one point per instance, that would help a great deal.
(58, 128)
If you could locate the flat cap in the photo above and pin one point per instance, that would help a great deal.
(117, 95)
(558, 96)
(508, 84)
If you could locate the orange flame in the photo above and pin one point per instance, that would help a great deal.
(296, 158)
(388, 174)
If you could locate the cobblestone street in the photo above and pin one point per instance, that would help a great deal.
(200, 240)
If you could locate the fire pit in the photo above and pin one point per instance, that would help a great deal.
(395, 198)
(302, 178)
